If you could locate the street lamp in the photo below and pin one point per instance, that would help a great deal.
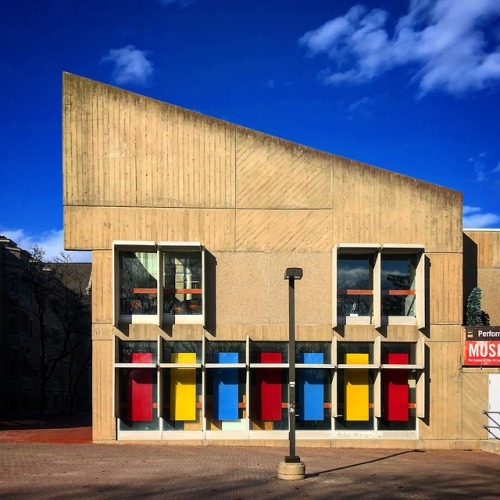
(292, 467)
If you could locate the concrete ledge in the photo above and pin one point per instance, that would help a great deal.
(491, 446)
(291, 471)
(399, 444)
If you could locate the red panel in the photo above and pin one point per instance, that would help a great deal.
(269, 388)
(140, 389)
(141, 357)
(395, 387)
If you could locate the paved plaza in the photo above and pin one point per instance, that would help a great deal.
(55, 459)
(73, 471)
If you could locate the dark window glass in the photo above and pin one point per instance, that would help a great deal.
(398, 285)
(138, 283)
(354, 285)
(182, 283)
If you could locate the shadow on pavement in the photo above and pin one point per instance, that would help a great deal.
(73, 429)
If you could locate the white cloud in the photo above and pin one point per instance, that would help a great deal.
(467, 210)
(361, 107)
(473, 218)
(482, 167)
(481, 220)
(130, 65)
(448, 42)
(50, 241)
(479, 164)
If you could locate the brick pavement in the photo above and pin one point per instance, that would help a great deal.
(51, 429)
(126, 471)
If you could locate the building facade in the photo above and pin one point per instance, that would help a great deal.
(192, 222)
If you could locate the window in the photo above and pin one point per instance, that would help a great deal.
(378, 284)
(138, 283)
(268, 386)
(402, 285)
(380, 386)
(158, 283)
(225, 386)
(200, 388)
(181, 378)
(182, 279)
(136, 374)
(314, 382)
(398, 285)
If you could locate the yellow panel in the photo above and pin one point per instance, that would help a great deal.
(183, 388)
(356, 388)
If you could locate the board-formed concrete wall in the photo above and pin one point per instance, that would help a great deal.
(138, 169)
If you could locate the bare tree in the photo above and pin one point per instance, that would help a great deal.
(71, 304)
(63, 315)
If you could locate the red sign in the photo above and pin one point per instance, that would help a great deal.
(481, 346)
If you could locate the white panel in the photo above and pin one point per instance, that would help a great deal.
(420, 291)
(181, 245)
(247, 382)
(494, 406)
(377, 394)
(420, 396)
(159, 292)
(334, 286)
(402, 248)
(335, 410)
(377, 290)
(235, 425)
(203, 295)
(115, 293)
(203, 392)
(353, 248)
(377, 352)
(334, 352)
(420, 354)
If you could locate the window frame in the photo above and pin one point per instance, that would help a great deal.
(187, 247)
(377, 251)
(359, 249)
(159, 248)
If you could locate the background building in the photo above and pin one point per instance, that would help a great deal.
(192, 222)
(44, 334)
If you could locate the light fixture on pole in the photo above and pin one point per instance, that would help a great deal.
(292, 468)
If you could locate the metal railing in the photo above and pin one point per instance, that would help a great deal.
(493, 423)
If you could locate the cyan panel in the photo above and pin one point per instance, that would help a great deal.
(311, 388)
(225, 389)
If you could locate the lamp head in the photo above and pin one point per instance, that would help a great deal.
(294, 273)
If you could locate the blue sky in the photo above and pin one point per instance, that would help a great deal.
(409, 86)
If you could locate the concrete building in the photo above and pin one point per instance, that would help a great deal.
(192, 222)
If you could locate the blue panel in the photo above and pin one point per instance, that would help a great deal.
(312, 358)
(225, 398)
(311, 388)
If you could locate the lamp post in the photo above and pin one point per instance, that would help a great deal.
(292, 467)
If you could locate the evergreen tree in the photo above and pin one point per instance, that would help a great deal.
(473, 310)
